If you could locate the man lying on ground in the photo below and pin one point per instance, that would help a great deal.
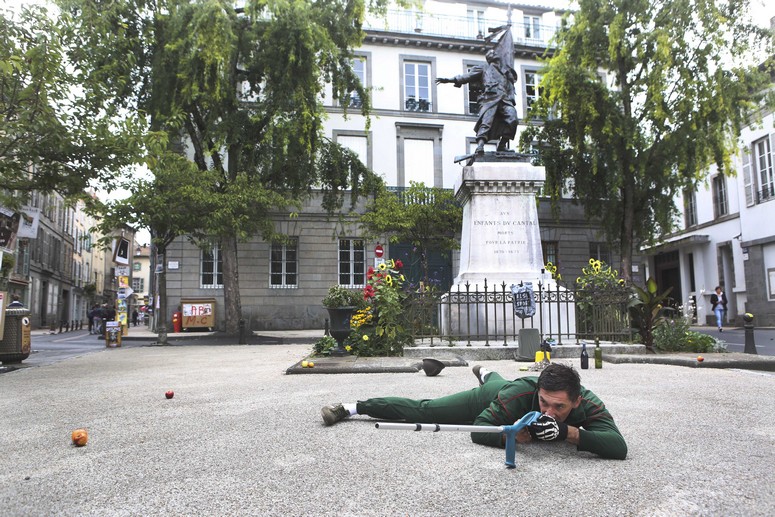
(570, 412)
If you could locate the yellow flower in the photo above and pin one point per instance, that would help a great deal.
(402, 278)
(365, 337)
(392, 264)
(389, 280)
(382, 267)
(591, 261)
(348, 348)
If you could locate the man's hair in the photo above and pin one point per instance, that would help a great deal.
(560, 377)
(717, 288)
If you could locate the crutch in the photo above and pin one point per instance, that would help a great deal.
(510, 431)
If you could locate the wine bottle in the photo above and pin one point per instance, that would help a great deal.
(598, 354)
(584, 356)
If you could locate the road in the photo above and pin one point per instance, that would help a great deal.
(52, 348)
(764, 338)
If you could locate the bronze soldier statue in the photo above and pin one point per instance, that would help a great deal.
(497, 111)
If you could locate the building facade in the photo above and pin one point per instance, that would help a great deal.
(726, 239)
(416, 130)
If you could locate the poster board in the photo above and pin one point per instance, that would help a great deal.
(198, 313)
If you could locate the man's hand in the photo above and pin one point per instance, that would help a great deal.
(548, 429)
(441, 80)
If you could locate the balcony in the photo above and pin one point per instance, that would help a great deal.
(409, 22)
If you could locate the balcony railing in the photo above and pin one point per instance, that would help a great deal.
(765, 194)
(412, 104)
(408, 22)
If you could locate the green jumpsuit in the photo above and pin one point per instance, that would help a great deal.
(501, 402)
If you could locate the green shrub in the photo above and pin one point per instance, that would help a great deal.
(674, 335)
(324, 345)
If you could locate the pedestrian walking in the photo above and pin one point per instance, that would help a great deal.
(718, 301)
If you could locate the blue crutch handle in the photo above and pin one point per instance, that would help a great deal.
(511, 436)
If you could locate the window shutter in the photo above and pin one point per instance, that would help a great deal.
(747, 177)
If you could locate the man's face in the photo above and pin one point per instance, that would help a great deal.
(556, 404)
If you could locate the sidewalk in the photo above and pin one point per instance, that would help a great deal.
(615, 353)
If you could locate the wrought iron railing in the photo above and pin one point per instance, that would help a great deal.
(485, 314)
(765, 194)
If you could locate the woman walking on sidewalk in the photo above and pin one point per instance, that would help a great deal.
(718, 301)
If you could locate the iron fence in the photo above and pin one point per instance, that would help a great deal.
(485, 314)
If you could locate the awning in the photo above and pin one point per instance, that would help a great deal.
(683, 242)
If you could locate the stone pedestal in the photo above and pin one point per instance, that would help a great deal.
(501, 240)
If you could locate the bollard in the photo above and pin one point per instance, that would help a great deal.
(750, 344)
(326, 329)
(241, 331)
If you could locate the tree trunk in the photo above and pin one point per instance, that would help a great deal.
(625, 238)
(161, 313)
(231, 294)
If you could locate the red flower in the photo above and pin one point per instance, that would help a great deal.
(370, 273)
(368, 292)
(399, 264)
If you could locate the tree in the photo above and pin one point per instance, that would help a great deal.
(427, 217)
(684, 83)
(243, 88)
(170, 204)
(58, 132)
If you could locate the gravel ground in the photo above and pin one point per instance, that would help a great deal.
(242, 438)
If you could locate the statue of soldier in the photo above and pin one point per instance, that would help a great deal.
(497, 111)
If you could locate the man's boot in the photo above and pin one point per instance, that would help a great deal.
(503, 145)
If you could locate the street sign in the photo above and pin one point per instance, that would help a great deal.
(379, 251)
(122, 270)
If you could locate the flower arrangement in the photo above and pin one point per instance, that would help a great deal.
(380, 328)
(339, 296)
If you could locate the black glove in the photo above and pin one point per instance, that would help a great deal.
(548, 429)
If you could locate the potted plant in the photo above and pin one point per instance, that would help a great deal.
(340, 303)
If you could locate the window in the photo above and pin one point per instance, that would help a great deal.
(138, 285)
(417, 86)
(690, 208)
(212, 268)
(474, 92)
(532, 90)
(532, 27)
(425, 166)
(419, 162)
(352, 262)
(284, 264)
(600, 251)
(550, 249)
(719, 185)
(359, 67)
(358, 142)
(763, 162)
(476, 23)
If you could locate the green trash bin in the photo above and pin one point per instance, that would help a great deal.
(15, 346)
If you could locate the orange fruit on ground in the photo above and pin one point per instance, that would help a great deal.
(79, 437)
(700, 358)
